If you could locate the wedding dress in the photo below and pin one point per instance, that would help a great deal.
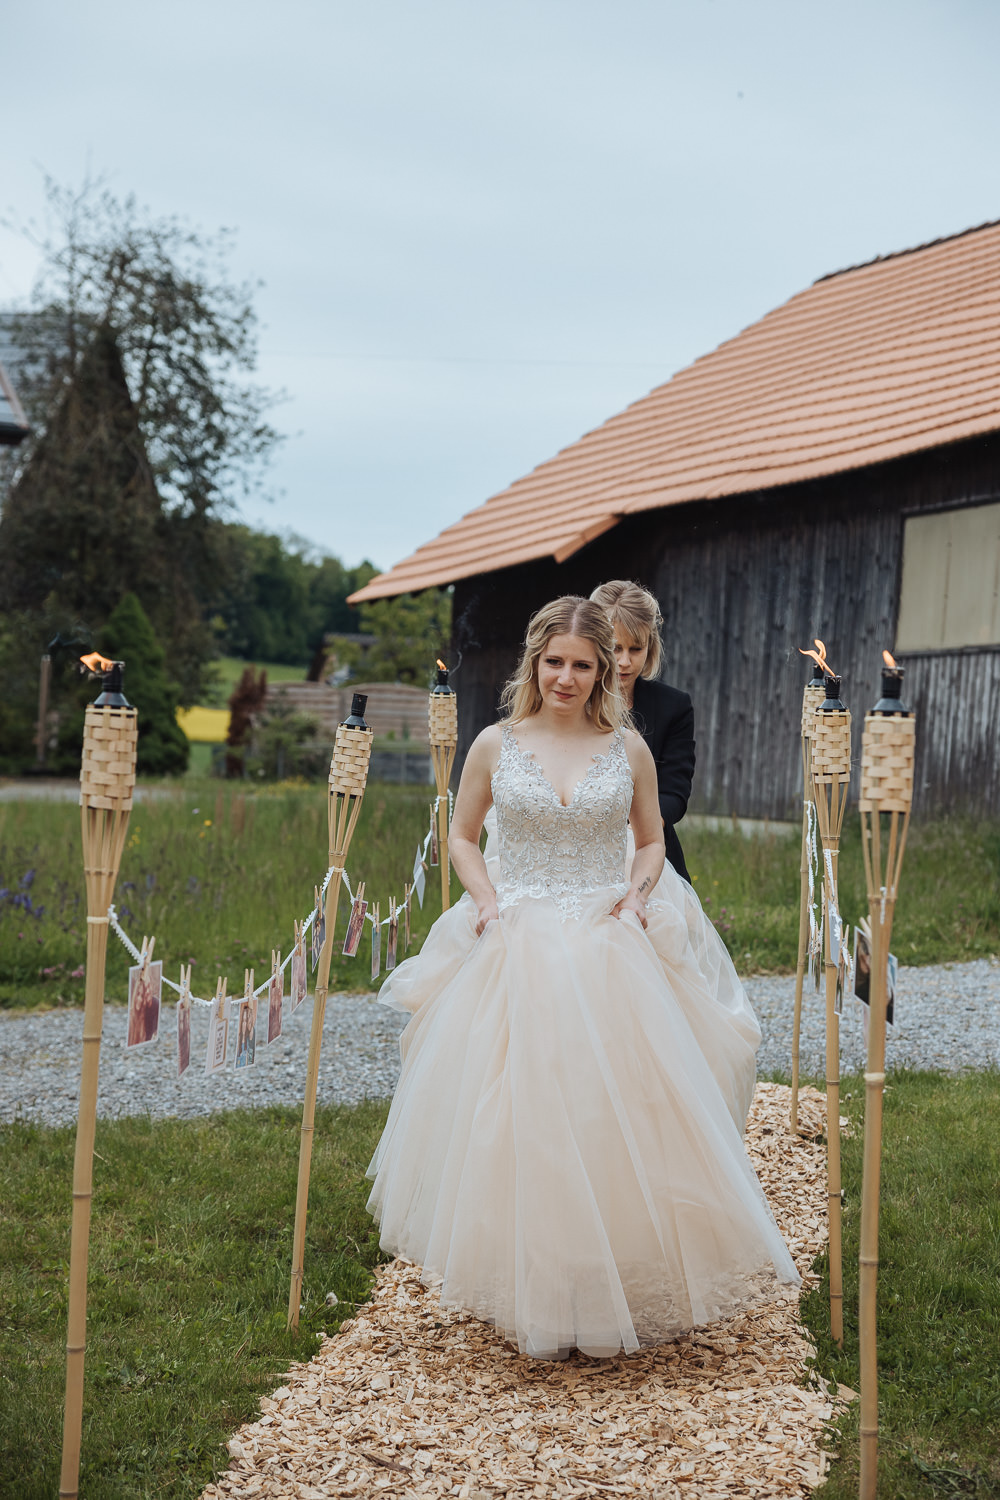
(564, 1151)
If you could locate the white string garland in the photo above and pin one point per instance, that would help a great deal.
(127, 943)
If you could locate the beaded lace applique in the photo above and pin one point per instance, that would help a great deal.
(560, 852)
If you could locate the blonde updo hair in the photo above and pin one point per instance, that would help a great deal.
(570, 615)
(637, 614)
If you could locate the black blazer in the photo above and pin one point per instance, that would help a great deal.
(665, 718)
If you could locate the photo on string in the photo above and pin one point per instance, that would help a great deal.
(318, 930)
(184, 1022)
(246, 1034)
(218, 1031)
(406, 918)
(275, 996)
(300, 982)
(359, 910)
(376, 943)
(145, 985)
(434, 838)
(392, 937)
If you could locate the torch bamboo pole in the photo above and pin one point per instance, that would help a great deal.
(442, 723)
(831, 767)
(886, 789)
(107, 778)
(348, 778)
(812, 697)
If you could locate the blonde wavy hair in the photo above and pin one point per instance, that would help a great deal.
(637, 614)
(570, 615)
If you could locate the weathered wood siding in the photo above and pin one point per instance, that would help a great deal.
(742, 584)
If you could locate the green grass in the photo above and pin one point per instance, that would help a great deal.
(190, 1261)
(949, 907)
(218, 875)
(938, 1291)
(227, 671)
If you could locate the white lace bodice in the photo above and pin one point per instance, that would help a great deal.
(547, 849)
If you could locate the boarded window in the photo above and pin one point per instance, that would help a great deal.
(951, 580)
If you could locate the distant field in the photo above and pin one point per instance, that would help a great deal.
(229, 669)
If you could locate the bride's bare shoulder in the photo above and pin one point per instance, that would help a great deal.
(485, 748)
(636, 749)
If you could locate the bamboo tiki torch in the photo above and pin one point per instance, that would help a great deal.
(348, 778)
(831, 771)
(886, 792)
(107, 777)
(812, 696)
(442, 723)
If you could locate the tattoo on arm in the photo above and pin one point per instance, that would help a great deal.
(645, 883)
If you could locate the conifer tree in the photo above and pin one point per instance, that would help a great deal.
(128, 637)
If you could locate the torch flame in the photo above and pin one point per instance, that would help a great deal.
(441, 665)
(889, 661)
(95, 662)
(819, 657)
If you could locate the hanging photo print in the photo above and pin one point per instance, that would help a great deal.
(318, 929)
(434, 838)
(419, 878)
(218, 1031)
(376, 943)
(275, 995)
(184, 1023)
(355, 925)
(145, 983)
(407, 890)
(246, 1029)
(299, 981)
(393, 937)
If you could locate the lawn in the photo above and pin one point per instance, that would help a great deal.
(219, 873)
(190, 1259)
(938, 1294)
(189, 1271)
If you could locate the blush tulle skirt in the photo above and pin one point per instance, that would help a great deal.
(564, 1153)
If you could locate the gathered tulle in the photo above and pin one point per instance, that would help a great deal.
(564, 1150)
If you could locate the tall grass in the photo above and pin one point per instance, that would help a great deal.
(217, 875)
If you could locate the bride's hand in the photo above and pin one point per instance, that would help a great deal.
(486, 912)
(633, 903)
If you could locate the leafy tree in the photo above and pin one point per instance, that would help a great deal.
(128, 637)
(410, 632)
(138, 338)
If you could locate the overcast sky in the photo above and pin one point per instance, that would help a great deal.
(484, 226)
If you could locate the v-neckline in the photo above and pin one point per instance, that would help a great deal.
(532, 760)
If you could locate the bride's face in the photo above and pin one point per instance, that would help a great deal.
(567, 672)
(630, 660)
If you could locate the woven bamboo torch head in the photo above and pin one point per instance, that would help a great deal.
(887, 748)
(110, 738)
(442, 711)
(831, 737)
(815, 689)
(351, 752)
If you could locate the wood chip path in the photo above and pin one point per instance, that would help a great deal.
(409, 1400)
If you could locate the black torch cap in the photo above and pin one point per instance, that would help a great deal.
(831, 703)
(891, 701)
(442, 685)
(356, 717)
(112, 694)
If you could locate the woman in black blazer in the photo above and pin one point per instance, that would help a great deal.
(663, 715)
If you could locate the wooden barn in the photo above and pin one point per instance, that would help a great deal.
(832, 471)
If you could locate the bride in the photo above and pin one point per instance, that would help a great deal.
(564, 1150)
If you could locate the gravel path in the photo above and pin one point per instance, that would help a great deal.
(948, 1018)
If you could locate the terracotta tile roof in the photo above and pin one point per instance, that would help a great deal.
(883, 359)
